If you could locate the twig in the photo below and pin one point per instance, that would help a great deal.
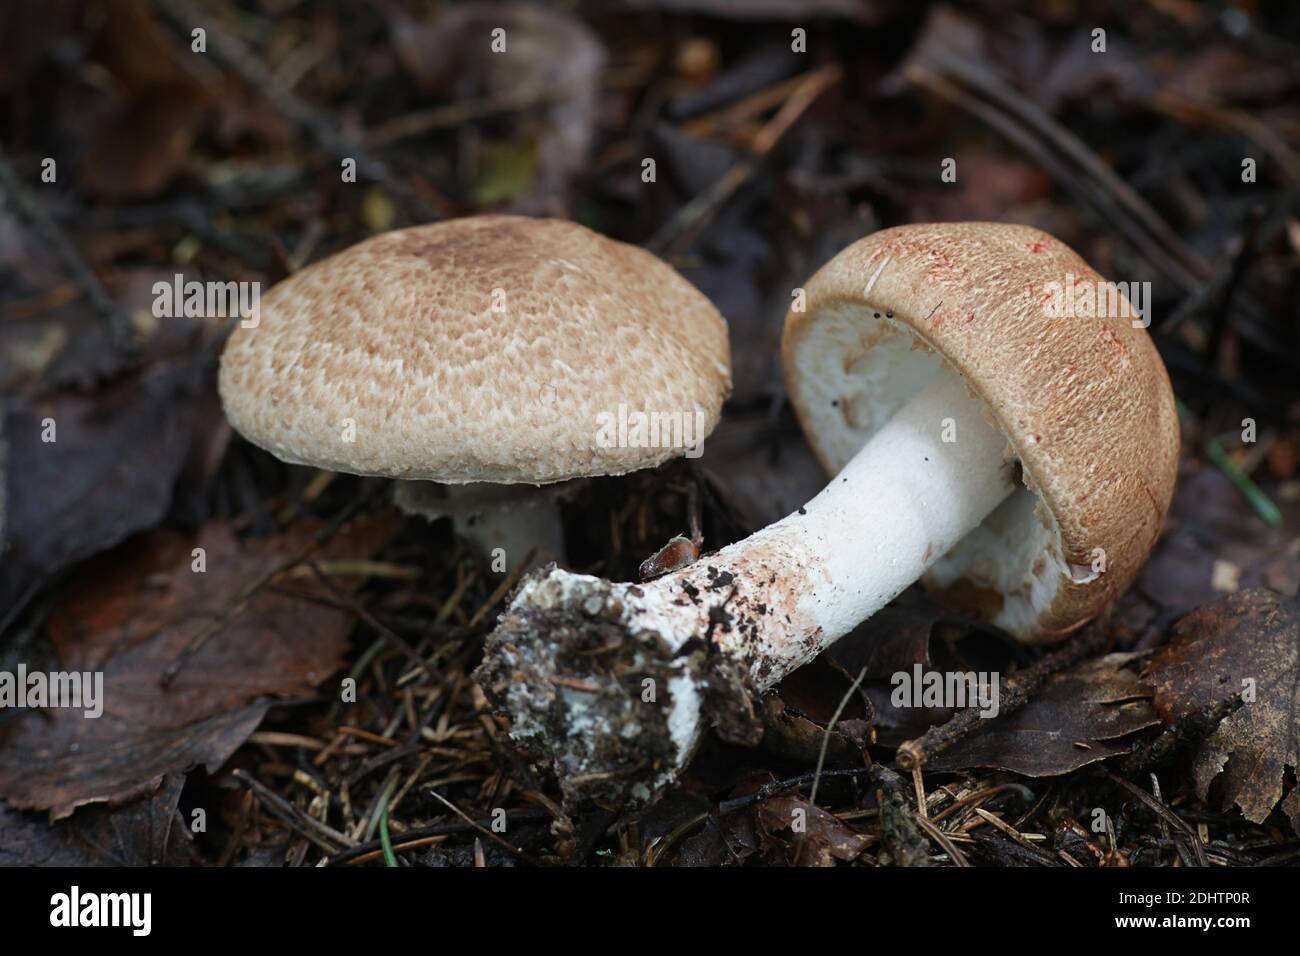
(1076, 167)
(418, 836)
(999, 824)
(971, 800)
(119, 326)
(1164, 813)
(501, 590)
(686, 826)
(1191, 111)
(1019, 687)
(231, 51)
(1238, 266)
(514, 850)
(679, 231)
(769, 790)
(321, 834)
(826, 736)
(457, 114)
(945, 843)
(391, 636)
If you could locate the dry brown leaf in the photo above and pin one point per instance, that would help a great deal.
(138, 145)
(796, 717)
(279, 646)
(819, 837)
(1246, 643)
(1077, 718)
(74, 497)
(148, 832)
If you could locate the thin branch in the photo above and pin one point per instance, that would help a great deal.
(13, 188)
(231, 52)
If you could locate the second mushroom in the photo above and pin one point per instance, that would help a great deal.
(1018, 461)
(480, 362)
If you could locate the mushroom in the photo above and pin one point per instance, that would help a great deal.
(1018, 462)
(481, 353)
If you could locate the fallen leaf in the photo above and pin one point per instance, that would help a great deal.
(1077, 718)
(717, 840)
(277, 646)
(147, 832)
(107, 474)
(896, 640)
(1246, 643)
(989, 187)
(796, 716)
(818, 837)
(1210, 521)
(761, 467)
(694, 162)
(139, 143)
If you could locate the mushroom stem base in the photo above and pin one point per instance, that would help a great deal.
(614, 712)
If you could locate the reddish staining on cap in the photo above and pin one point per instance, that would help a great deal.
(1108, 334)
(940, 266)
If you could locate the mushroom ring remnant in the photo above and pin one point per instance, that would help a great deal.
(1017, 461)
(490, 350)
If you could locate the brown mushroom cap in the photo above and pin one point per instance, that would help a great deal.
(1084, 402)
(491, 348)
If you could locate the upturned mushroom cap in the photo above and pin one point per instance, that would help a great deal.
(495, 348)
(1084, 402)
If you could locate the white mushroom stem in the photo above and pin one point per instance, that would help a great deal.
(517, 519)
(772, 602)
(530, 527)
(903, 501)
